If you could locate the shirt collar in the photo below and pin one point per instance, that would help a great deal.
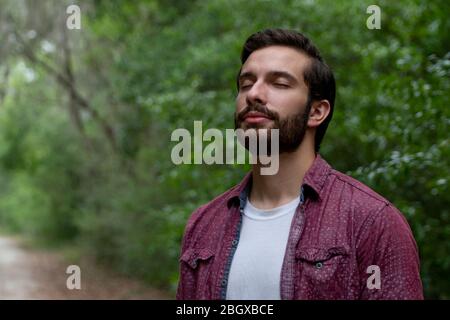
(312, 186)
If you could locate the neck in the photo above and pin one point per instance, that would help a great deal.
(270, 191)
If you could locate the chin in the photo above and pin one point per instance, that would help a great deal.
(256, 126)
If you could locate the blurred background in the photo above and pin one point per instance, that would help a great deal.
(86, 117)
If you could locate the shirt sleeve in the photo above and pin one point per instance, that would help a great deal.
(185, 282)
(387, 247)
(182, 288)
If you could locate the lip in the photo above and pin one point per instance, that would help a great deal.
(255, 117)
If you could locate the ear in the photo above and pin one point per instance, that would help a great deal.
(318, 113)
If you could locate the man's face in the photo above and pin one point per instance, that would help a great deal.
(273, 94)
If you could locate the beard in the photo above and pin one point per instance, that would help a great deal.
(292, 128)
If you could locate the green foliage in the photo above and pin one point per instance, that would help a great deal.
(39, 158)
(149, 67)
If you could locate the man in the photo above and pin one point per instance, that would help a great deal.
(308, 231)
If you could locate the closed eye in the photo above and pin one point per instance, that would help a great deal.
(245, 86)
(281, 85)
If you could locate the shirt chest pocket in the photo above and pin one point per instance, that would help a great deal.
(197, 257)
(196, 264)
(323, 266)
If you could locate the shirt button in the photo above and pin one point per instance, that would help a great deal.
(319, 265)
(235, 242)
(224, 283)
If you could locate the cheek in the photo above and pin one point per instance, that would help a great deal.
(287, 104)
(240, 103)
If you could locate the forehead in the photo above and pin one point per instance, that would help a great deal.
(279, 58)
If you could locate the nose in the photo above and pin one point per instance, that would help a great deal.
(257, 94)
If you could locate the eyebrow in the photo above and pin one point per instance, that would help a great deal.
(271, 74)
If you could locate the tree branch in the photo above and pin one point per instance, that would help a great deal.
(69, 86)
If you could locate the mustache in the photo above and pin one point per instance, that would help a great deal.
(258, 107)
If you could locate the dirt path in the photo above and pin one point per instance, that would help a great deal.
(38, 274)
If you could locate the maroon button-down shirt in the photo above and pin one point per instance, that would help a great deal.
(345, 242)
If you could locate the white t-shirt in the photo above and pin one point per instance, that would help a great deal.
(256, 266)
